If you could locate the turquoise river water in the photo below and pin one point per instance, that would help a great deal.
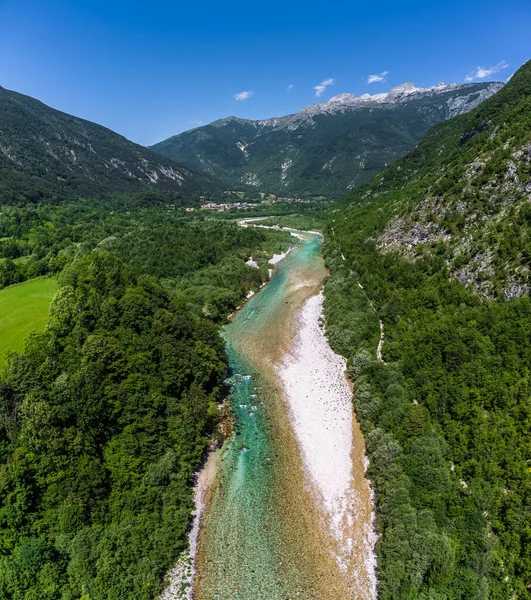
(260, 536)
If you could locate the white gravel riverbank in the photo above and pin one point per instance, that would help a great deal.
(181, 577)
(321, 412)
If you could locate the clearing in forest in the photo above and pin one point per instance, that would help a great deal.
(23, 308)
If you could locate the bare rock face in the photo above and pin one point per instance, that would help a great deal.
(407, 233)
(483, 208)
(404, 235)
(464, 195)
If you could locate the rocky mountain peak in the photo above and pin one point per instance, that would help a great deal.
(402, 89)
(344, 98)
(324, 149)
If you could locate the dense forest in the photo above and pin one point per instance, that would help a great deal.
(446, 418)
(159, 239)
(447, 412)
(107, 414)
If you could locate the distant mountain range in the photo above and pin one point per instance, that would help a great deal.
(327, 148)
(321, 152)
(46, 152)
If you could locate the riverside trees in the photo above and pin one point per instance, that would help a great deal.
(446, 420)
(106, 415)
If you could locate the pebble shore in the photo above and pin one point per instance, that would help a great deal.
(319, 398)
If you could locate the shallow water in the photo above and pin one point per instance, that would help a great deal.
(264, 535)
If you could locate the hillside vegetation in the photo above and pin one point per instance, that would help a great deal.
(45, 153)
(463, 195)
(436, 247)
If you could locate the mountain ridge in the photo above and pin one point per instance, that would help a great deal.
(326, 148)
(44, 151)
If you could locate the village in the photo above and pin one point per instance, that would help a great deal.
(221, 207)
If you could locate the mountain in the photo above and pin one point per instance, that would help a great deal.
(44, 151)
(428, 298)
(325, 149)
(465, 192)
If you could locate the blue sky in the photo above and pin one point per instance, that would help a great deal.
(152, 69)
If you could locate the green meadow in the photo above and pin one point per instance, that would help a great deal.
(23, 307)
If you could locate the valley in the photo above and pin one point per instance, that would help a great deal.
(270, 358)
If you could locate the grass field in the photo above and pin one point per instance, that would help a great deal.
(23, 307)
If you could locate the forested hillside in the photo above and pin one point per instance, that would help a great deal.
(45, 152)
(436, 248)
(106, 415)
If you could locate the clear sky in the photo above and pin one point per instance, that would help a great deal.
(154, 68)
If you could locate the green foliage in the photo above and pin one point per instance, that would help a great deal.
(306, 220)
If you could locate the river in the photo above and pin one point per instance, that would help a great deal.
(288, 509)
